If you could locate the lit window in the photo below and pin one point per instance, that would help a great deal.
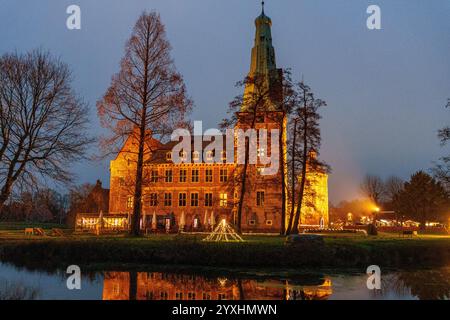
(208, 175)
(209, 155)
(194, 199)
(206, 295)
(164, 295)
(269, 222)
(260, 198)
(261, 152)
(221, 296)
(208, 199)
(154, 176)
(223, 199)
(191, 295)
(260, 170)
(183, 155)
(167, 199)
(223, 175)
(168, 176)
(130, 202)
(183, 175)
(169, 155)
(182, 199)
(195, 156)
(153, 199)
(195, 175)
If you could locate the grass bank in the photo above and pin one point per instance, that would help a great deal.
(259, 252)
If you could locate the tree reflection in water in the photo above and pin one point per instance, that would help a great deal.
(432, 284)
(17, 291)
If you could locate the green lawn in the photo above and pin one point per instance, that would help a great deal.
(15, 231)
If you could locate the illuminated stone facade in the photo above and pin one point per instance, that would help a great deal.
(315, 204)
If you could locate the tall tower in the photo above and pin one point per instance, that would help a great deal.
(263, 63)
(262, 109)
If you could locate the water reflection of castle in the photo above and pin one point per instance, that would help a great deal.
(167, 286)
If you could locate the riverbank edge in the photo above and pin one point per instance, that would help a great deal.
(392, 254)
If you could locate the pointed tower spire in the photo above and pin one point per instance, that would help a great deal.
(263, 61)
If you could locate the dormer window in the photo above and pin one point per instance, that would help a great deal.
(209, 155)
(169, 156)
(195, 156)
(183, 155)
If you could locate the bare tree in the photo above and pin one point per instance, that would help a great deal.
(392, 187)
(146, 99)
(255, 102)
(42, 121)
(374, 188)
(245, 110)
(306, 140)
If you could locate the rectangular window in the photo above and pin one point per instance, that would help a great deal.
(195, 175)
(179, 296)
(168, 176)
(260, 198)
(209, 175)
(194, 199)
(269, 222)
(167, 199)
(164, 295)
(130, 202)
(223, 175)
(191, 295)
(208, 199)
(121, 181)
(206, 295)
(223, 199)
(182, 199)
(153, 199)
(183, 175)
(154, 176)
(261, 152)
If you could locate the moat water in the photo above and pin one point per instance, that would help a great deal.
(151, 283)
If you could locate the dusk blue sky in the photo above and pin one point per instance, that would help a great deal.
(386, 89)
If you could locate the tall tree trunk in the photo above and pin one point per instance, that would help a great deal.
(294, 177)
(294, 228)
(137, 208)
(243, 188)
(283, 177)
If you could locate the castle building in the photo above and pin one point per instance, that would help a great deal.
(199, 193)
